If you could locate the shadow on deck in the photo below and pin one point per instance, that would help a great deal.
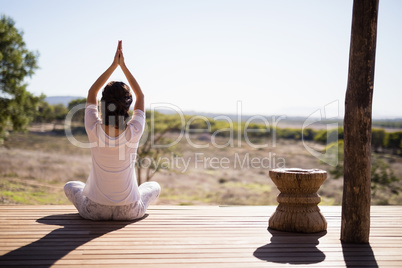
(44, 236)
(58, 243)
(295, 245)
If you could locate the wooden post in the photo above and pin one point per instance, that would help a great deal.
(357, 124)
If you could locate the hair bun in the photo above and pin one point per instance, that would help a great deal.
(116, 101)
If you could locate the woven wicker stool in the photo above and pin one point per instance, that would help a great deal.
(297, 210)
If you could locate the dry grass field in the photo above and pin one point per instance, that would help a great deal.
(34, 167)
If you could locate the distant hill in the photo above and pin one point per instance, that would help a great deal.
(286, 121)
(394, 124)
(52, 100)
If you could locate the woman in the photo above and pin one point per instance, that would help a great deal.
(111, 191)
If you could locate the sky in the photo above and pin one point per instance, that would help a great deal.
(260, 57)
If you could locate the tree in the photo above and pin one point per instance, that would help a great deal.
(80, 114)
(44, 111)
(393, 141)
(60, 111)
(355, 227)
(17, 105)
(378, 139)
(47, 113)
(384, 183)
(149, 157)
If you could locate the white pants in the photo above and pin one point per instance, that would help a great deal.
(88, 209)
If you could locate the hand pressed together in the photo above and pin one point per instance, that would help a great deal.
(118, 60)
(118, 57)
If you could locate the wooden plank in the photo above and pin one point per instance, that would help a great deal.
(188, 236)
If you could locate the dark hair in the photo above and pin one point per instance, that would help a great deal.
(115, 104)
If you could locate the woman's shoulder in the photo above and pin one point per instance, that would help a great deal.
(91, 106)
(139, 113)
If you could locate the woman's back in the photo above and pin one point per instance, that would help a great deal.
(112, 178)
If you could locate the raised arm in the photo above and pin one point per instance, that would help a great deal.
(93, 91)
(139, 96)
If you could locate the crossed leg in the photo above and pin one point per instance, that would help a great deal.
(149, 192)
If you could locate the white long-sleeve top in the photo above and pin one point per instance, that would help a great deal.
(112, 180)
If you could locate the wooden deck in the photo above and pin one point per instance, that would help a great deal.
(193, 236)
